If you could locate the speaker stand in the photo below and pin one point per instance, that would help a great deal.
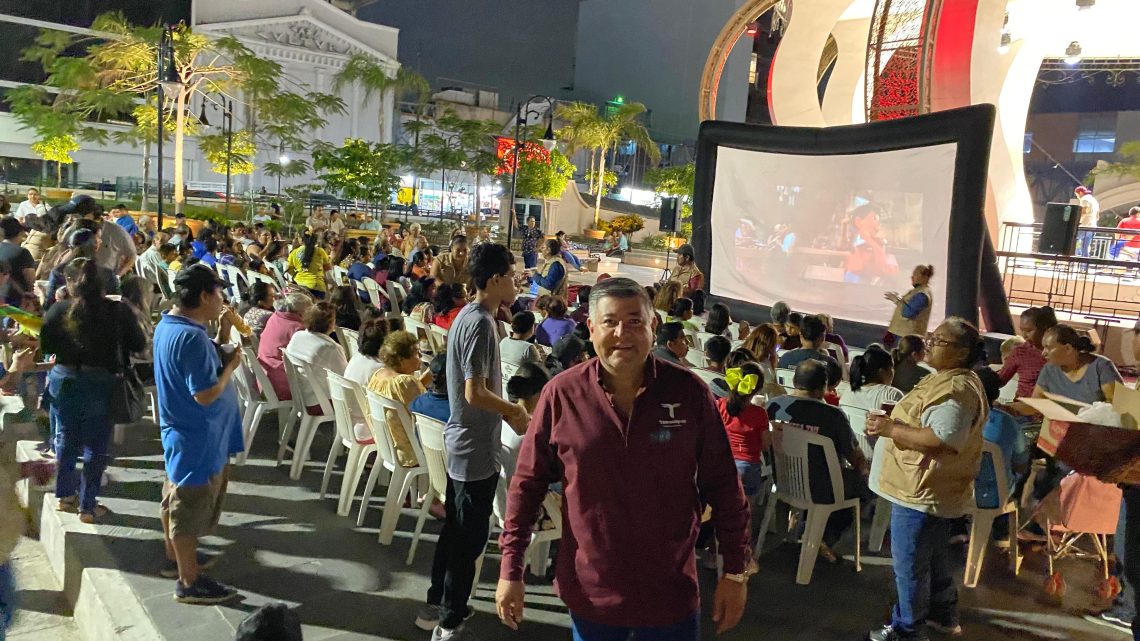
(668, 254)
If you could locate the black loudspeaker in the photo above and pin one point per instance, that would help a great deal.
(1059, 232)
(670, 208)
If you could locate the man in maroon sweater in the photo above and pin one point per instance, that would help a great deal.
(640, 448)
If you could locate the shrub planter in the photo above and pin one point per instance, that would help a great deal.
(595, 234)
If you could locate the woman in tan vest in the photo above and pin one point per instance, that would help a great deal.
(912, 309)
(552, 277)
(926, 467)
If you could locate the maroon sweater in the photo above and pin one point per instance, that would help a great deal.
(634, 494)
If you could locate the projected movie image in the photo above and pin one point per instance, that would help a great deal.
(830, 234)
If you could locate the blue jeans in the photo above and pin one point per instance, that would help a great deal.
(530, 259)
(1126, 545)
(750, 477)
(1084, 243)
(686, 630)
(79, 411)
(926, 589)
(7, 598)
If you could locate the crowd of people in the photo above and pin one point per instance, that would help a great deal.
(651, 458)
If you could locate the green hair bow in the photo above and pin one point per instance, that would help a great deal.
(740, 383)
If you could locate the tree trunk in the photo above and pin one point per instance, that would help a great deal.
(179, 148)
(146, 176)
(475, 210)
(589, 174)
(601, 178)
(58, 174)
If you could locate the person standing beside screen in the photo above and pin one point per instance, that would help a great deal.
(640, 449)
(912, 309)
(473, 439)
(530, 234)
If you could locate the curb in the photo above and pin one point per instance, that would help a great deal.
(105, 606)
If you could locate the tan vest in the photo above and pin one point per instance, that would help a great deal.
(562, 289)
(918, 325)
(449, 272)
(684, 274)
(947, 481)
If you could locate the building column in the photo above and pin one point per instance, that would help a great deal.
(844, 100)
(793, 88)
(388, 108)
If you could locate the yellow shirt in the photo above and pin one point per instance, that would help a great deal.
(313, 277)
(402, 389)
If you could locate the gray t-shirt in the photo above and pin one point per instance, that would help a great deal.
(117, 243)
(472, 435)
(1089, 389)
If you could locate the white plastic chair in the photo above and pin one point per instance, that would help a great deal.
(708, 376)
(396, 293)
(832, 348)
(278, 275)
(793, 486)
(349, 340)
(373, 289)
(403, 478)
(301, 375)
(262, 398)
(982, 521)
(691, 339)
(345, 409)
(538, 552)
(784, 376)
(437, 338)
(702, 338)
(339, 275)
(431, 440)
(697, 357)
(252, 277)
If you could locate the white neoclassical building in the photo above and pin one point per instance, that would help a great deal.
(311, 39)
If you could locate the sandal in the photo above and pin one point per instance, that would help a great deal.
(827, 554)
(99, 512)
(69, 504)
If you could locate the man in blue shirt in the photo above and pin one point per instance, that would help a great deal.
(201, 425)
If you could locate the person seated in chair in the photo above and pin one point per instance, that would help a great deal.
(672, 344)
(805, 409)
(812, 338)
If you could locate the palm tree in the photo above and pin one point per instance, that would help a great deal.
(377, 80)
(586, 128)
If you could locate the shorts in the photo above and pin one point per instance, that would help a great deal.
(751, 477)
(194, 510)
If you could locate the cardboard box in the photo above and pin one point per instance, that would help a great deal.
(1111, 454)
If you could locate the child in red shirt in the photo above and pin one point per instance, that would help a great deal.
(746, 424)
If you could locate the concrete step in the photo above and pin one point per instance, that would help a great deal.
(43, 610)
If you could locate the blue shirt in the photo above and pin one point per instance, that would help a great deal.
(432, 405)
(554, 275)
(915, 305)
(126, 222)
(358, 270)
(1002, 430)
(197, 440)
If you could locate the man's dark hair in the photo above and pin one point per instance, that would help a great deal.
(811, 376)
(522, 322)
(191, 285)
(717, 349)
(991, 383)
(11, 227)
(554, 247)
(272, 622)
(812, 329)
(488, 260)
(668, 332)
(211, 244)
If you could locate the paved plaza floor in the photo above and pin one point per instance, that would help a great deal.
(281, 542)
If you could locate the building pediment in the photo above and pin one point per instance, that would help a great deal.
(300, 32)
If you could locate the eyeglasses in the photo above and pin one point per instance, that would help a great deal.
(933, 340)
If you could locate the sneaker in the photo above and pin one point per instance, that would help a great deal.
(949, 627)
(205, 562)
(458, 634)
(427, 617)
(205, 591)
(891, 633)
(1109, 619)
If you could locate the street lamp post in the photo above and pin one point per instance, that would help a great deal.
(548, 141)
(168, 82)
(228, 126)
(283, 160)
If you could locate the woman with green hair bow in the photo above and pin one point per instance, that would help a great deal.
(745, 423)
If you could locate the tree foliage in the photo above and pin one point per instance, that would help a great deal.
(242, 151)
(57, 149)
(679, 182)
(1128, 165)
(360, 170)
(609, 180)
(544, 178)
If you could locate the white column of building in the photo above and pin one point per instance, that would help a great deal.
(848, 78)
(388, 104)
(793, 93)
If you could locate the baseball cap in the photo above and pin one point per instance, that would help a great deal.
(685, 250)
(198, 277)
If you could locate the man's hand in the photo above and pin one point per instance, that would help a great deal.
(728, 604)
(879, 425)
(509, 602)
(518, 420)
(23, 361)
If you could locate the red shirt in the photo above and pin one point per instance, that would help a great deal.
(747, 432)
(445, 320)
(1131, 223)
(1026, 361)
(279, 329)
(634, 494)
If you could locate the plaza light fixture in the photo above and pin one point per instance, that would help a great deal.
(548, 143)
(167, 82)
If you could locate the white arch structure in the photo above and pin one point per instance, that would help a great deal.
(1040, 29)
